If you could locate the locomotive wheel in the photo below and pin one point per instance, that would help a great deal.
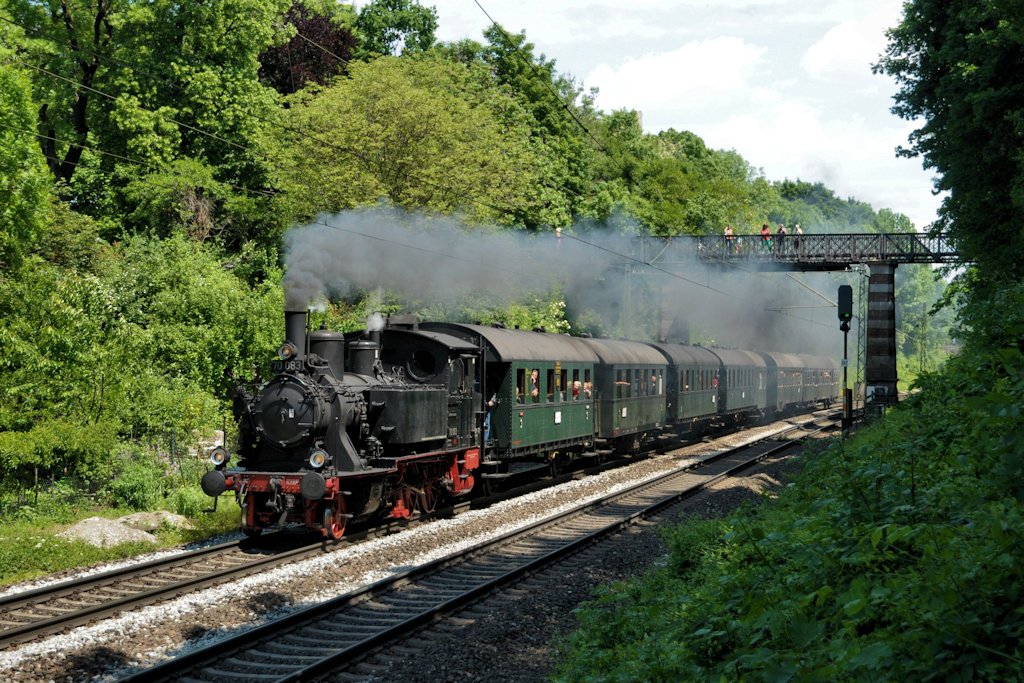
(247, 528)
(334, 519)
(488, 487)
(428, 498)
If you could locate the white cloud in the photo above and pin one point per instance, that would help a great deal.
(786, 83)
(847, 50)
(710, 68)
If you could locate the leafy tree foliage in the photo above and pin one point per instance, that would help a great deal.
(24, 186)
(957, 65)
(559, 112)
(142, 84)
(389, 27)
(419, 132)
(318, 51)
(145, 343)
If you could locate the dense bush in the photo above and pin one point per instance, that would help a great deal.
(146, 343)
(139, 485)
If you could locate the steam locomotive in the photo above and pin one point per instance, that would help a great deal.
(395, 419)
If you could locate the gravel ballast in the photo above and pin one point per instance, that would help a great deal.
(512, 643)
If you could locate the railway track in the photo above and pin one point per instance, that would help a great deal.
(331, 635)
(52, 609)
(55, 608)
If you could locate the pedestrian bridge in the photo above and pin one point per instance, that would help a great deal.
(882, 253)
(825, 252)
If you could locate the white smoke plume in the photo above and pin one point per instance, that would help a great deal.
(637, 288)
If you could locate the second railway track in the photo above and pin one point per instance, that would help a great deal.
(326, 636)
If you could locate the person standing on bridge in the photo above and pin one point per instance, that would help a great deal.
(729, 237)
(780, 238)
(766, 238)
(798, 233)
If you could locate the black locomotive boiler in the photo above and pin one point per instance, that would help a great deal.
(321, 444)
(390, 421)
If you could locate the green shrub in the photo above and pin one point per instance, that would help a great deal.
(189, 501)
(139, 486)
(895, 555)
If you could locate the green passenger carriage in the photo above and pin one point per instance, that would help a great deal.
(821, 379)
(542, 390)
(691, 397)
(742, 384)
(786, 385)
(630, 386)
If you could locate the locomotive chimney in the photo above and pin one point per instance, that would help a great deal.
(295, 330)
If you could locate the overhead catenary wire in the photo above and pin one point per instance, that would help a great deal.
(355, 154)
(544, 78)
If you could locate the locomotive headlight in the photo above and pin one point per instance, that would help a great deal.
(318, 458)
(287, 351)
(219, 456)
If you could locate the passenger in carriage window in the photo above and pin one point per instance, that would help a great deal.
(535, 385)
(576, 385)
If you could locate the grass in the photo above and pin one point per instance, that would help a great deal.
(30, 547)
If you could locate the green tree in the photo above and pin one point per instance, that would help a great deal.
(957, 65)
(24, 185)
(389, 27)
(560, 112)
(154, 338)
(126, 87)
(422, 133)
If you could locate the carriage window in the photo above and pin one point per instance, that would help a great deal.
(520, 383)
(534, 388)
(577, 385)
(588, 387)
(550, 386)
(563, 385)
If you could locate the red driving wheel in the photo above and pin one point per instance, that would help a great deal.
(334, 518)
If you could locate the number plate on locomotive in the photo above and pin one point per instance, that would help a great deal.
(286, 365)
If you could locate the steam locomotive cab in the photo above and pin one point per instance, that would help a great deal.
(320, 446)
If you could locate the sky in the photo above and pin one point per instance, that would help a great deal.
(785, 83)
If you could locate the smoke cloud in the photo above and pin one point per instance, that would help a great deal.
(622, 285)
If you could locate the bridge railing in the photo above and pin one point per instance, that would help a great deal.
(830, 251)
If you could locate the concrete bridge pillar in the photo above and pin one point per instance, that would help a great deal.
(880, 363)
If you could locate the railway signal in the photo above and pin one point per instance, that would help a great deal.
(845, 316)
